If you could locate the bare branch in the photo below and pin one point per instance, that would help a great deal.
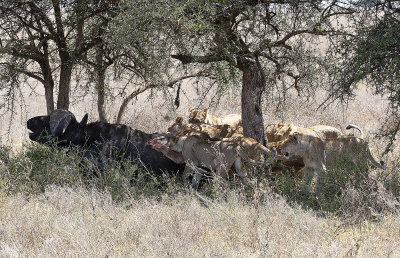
(30, 74)
(187, 59)
(151, 86)
(282, 42)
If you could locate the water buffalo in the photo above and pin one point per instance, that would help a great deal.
(103, 139)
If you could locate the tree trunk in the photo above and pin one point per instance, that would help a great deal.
(65, 57)
(48, 93)
(253, 85)
(65, 84)
(48, 81)
(126, 101)
(101, 95)
(122, 109)
(100, 82)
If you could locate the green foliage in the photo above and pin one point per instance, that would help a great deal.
(347, 190)
(211, 35)
(29, 172)
(32, 170)
(371, 56)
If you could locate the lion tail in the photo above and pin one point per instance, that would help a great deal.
(351, 126)
(381, 164)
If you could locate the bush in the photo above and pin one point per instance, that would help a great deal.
(354, 192)
(31, 170)
(38, 166)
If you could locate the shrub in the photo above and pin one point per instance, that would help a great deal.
(354, 192)
(31, 170)
(38, 166)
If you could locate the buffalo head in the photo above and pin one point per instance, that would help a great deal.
(39, 127)
(44, 128)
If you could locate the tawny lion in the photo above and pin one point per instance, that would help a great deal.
(318, 154)
(202, 116)
(278, 133)
(215, 132)
(196, 149)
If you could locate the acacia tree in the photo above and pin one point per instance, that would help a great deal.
(265, 40)
(42, 39)
(371, 54)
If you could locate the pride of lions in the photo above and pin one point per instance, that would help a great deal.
(212, 145)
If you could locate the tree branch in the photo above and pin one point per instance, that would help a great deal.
(188, 59)
(38, 13)
(151, 86)
(282, 42)
(128, 99)
(30, 74)
(26, 52)
(59, 21)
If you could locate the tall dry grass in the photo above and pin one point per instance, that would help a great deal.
(69, 222)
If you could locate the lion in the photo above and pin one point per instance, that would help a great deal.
(197, 150)
(278, 133)
(318, 154)
(198, 154)
(215, 132)
(212, 133)
(202, 116)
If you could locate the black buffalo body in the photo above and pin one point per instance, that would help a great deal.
(101, 140)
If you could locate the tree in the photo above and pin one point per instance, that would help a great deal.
(102, 58)
(371, 54)
(142, 57)
(267, 41)
(40, 39)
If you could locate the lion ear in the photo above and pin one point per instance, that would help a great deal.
(190, 110)
(206, 111)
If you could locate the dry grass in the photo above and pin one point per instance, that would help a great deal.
(78, 221)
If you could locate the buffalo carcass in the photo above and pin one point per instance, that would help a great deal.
(100, 139)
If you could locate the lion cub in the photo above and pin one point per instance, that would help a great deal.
(202, 116)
